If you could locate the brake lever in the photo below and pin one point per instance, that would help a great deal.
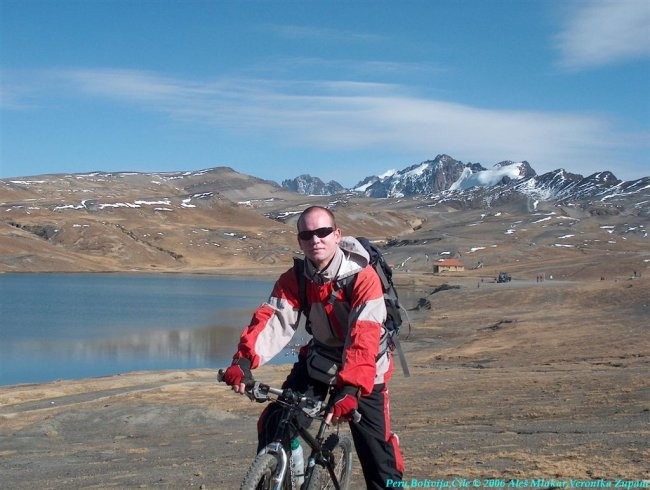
(253, 390)
(257, 392)
(314, 411)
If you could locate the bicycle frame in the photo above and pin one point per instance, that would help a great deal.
(280, 447)
(317, 455)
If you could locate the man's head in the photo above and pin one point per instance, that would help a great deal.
(318, 235)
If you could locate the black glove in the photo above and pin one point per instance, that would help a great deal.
(239, 372)
(344, 403)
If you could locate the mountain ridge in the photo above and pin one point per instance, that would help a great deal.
(220, 221)
(445, 178)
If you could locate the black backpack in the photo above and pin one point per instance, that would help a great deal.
(393, 321)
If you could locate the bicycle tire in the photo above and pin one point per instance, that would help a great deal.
(260, 473)
(341, 448)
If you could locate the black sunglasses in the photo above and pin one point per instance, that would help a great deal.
(320, 233)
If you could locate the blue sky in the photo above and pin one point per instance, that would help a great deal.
(337, 89)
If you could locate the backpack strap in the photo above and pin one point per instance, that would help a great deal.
(397, 347)
(299, 270)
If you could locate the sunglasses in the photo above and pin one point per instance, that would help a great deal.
(320, 233)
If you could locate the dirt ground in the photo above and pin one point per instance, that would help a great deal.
(519, 382)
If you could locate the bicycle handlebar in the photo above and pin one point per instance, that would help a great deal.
(259, 392)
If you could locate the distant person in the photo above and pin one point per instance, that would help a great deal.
(347, 350)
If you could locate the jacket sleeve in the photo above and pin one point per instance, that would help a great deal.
(273, 323)
(367, 315)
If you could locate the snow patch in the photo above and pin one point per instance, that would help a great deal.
(541, 220)
(417, 171)
(387, 174)
(486, 178)
(119, 205)
(163, 202)
(69, 206)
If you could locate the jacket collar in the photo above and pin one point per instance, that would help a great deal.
(349, 259)
(329, 273)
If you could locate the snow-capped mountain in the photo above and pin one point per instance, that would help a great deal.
(442, 174)
(368, 182)
(561, 184)
(445, 179)
(602, 187)
(425, 178)
(597, 194)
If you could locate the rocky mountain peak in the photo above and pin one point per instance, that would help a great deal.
(471, 184)
(313, 186)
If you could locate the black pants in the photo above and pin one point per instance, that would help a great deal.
(376, 446)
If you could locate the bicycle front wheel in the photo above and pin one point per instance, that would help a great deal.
(340, 447)
(260, 473)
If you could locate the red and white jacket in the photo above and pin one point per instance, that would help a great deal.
(354, 325)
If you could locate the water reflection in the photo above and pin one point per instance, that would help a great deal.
(213, 343)
(76, 326)
(207, 346)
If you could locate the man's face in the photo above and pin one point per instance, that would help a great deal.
(319, 250)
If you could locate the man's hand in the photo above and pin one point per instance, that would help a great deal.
(345, 403)
(238, 375)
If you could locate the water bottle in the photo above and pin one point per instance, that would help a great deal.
(297, 463)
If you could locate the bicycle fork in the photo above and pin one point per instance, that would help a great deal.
(276, 449)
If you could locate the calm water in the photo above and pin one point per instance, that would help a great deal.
(61, 326)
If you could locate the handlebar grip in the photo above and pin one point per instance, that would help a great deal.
(221, 378)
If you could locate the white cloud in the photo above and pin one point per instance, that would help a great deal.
(342, 116)
(601, 32)
(133, 85)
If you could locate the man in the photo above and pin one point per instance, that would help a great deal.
(347, 348)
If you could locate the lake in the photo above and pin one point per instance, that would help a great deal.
(69, 326)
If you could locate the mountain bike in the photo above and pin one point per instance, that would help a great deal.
(329, 465)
